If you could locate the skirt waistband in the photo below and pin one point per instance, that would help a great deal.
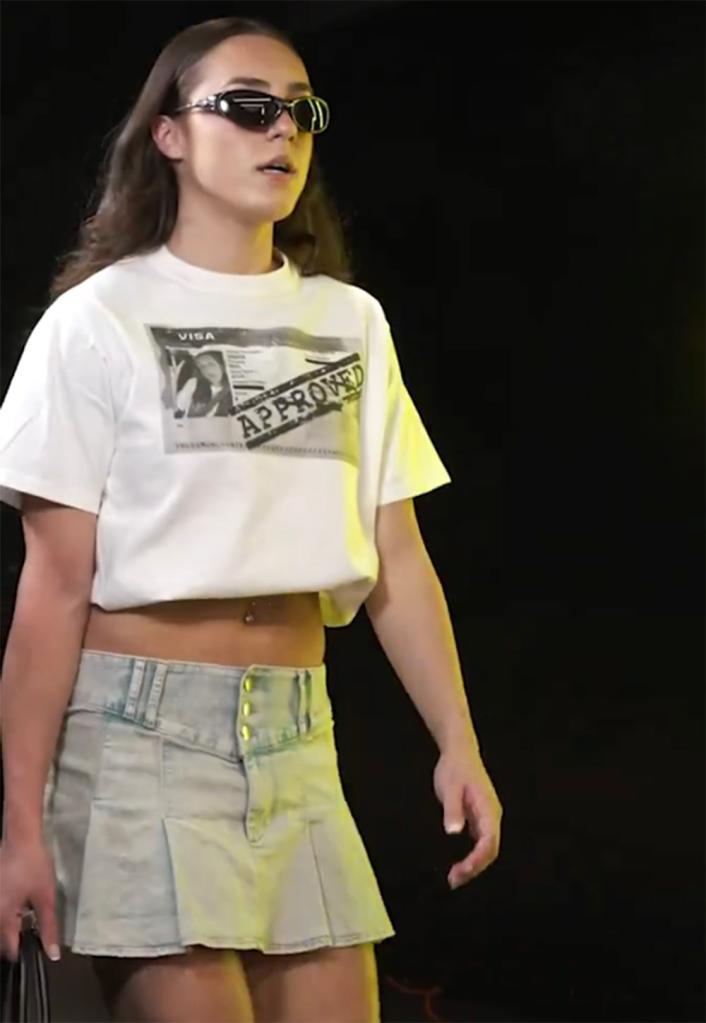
(233, 711)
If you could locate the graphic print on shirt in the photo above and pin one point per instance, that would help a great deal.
(280, 390)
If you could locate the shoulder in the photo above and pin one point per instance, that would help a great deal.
(358, 299)
(96, 306)
(106, 288)
(78, 332)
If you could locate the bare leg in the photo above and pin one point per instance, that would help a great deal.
(326, 985)
(205, 984)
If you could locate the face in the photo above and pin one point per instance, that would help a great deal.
(218, 159)
(210, 368)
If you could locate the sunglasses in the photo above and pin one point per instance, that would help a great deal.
(258, 110)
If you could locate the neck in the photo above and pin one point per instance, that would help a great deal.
(224, 246)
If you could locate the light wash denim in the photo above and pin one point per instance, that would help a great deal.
(194, 803)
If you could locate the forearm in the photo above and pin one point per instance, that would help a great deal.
(38, 673)
(409, 614)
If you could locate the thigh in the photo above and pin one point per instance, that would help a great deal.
(204, 984)
(325, 985)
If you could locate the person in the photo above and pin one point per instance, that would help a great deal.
(173, 805)
(207, 393)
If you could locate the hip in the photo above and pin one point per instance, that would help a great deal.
(144, 739)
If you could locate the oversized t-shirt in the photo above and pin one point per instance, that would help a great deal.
(233, 433)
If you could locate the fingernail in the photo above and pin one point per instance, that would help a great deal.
(454, 826)
(54, 953)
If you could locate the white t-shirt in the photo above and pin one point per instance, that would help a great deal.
(234, 434)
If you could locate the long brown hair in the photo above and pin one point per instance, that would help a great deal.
(137, 192)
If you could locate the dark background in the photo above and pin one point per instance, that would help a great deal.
(524, 183)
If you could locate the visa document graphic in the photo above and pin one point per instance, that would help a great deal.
(280, 390)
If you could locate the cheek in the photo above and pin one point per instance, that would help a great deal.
(307, 150)
(220, 157)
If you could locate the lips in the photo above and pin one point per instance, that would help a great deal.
(278, 165)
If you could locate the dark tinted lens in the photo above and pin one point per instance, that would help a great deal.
(250, 111)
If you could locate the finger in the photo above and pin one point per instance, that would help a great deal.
(487, 838)
(482, 852)
(461, 874)
(481, 821)
(49, 929)
(486, 824)
(478, 859)
(10, 945)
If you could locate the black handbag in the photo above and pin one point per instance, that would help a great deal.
(25, 985)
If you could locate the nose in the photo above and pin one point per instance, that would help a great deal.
(284, 125)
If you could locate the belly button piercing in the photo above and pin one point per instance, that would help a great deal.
(249, 615)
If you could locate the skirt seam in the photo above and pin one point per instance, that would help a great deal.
(318, 875)
(163, 816)
(91, 808)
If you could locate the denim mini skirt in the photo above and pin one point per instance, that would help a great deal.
(191, 803)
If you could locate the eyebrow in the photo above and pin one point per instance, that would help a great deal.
(260, 83)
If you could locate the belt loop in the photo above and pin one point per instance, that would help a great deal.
(158, 679)
(133, 694)
(301, 704)
(304, 709)
(309, 685)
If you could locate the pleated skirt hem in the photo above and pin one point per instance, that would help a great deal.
(236, 943)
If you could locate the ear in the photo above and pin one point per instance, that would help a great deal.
(167, 137)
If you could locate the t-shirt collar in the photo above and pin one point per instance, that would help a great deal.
(281, 280)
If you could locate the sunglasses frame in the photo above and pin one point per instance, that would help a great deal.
(214, 104)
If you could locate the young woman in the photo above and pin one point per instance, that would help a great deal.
(173, 803)
(208, 392)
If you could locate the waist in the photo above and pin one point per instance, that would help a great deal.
(227, 710)
(283, 628)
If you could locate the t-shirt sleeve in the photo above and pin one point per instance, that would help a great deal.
(410, 463)
(57, 423)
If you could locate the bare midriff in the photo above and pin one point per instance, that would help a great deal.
(284, 629)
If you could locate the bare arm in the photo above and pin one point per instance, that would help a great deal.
(42, 653)
(409, 614)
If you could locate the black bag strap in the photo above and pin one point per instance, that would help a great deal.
(26, 997)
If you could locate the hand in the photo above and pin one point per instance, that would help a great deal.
(466, 793)
(28, 888)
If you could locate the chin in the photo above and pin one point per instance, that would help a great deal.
(287, 212)
(266, 213)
